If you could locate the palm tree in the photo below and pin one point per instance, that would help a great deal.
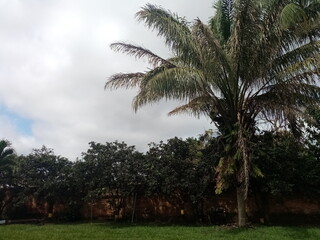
(6, 153)
(253, 59)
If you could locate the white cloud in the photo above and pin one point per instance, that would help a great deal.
(10, 132)
(55, 60)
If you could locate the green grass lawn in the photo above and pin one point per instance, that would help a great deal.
(111, 231)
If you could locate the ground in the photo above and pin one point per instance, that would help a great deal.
(112, 231)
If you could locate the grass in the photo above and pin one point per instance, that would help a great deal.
(99, 231)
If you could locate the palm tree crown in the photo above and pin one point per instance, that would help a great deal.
(6, 153)
(255, 58)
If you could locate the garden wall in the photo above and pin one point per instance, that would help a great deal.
(219, 209)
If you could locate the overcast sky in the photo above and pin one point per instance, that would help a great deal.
(54, 62)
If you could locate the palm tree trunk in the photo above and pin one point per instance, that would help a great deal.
(243, 173)
(241, 204)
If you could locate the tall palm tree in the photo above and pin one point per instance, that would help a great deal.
(253, 59)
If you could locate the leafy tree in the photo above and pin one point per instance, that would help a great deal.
(288, 167)
(249, 62)
(115, 171)
(278, 156)
(112, 171)
(178, 170)
(312, 167)
(168, 165)
(44, 176)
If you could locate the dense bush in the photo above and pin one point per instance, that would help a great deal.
(182, 171)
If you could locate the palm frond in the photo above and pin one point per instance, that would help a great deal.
(282, 97)
(174, 29)
(303, 56)
(211, 53)
(297, 79)
(179, 83)
(291, 15)
(215, 62)
(299, 35)
(245, 39)
(139, 52)
(124, 80)
(222, 21)
(196, 107)
(6, 153)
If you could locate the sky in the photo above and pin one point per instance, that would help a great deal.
(54, 62)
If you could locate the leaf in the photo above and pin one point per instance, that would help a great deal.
(291, 15)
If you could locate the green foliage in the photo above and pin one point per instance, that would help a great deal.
(288, 166)
(313, 144)
(179, 170)
(299, 12)
(41, 175)
(313, 131)
(222, 20)
(176, 170)
(111, 170)
(292, 14)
